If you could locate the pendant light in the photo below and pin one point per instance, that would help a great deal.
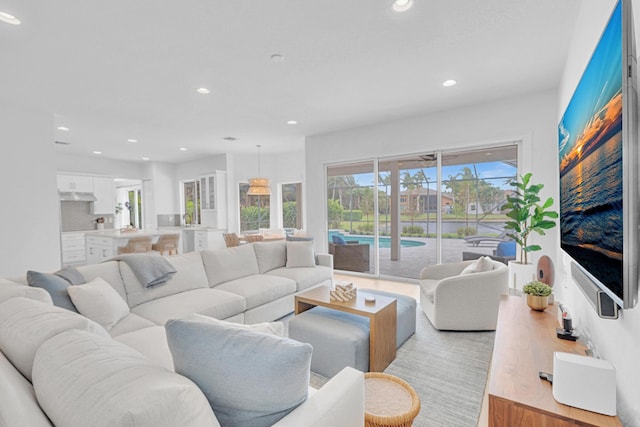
(259, 186)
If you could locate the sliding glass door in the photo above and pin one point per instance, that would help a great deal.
(429, 208)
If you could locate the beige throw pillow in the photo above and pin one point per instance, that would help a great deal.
(482, 264)
(300, 254)
(98, 301)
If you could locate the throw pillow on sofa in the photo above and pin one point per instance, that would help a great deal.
(84, 380)
(250, 378)
(98, 301)
(338, 240)
(300, 254)
(55, 284)
(25, 324)
(273, 328)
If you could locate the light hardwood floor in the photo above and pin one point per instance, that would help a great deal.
(413, 291)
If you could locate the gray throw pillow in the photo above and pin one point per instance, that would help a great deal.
(71, 275)
(251, 379)
(55, 285)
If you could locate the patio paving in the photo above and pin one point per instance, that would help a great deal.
(414, 258)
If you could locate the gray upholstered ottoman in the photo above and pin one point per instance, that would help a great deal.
(339, 339)
(406, 312)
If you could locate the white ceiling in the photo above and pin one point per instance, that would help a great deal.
(119, 69)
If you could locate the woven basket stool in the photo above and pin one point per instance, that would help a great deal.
(389, 401)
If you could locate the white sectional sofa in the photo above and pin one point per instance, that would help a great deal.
(247, 284)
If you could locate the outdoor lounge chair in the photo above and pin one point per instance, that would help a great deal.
(476, 240)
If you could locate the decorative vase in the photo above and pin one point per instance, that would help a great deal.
(537, 303)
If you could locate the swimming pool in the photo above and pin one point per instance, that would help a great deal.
(383, 242)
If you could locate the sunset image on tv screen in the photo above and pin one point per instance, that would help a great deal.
(590, 163)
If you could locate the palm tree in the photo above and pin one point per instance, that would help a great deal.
(386, 181)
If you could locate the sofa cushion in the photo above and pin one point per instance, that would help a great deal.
(10, 290)
(150, 342)
(239, 370)
(83, 380)
(305, 277)
(98, 301)
(55, 285)
(25, 324)
(259, 289)
(210, 302)
(109, 271)
(18, 406)
(270, 255)
(338, 239)
(300, 254)
(228, 264)
(189, 275)
(129, 323)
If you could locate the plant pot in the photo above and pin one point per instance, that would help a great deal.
(99, 226)
(520, 274)
(537, 303)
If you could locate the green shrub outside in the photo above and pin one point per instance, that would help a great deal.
(354, 215)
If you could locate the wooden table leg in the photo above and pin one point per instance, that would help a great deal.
(382, 338)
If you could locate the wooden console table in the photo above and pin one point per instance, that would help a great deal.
(524, 345)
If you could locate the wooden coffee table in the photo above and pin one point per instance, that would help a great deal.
(381, 314)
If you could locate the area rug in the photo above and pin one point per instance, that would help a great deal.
(448, 370)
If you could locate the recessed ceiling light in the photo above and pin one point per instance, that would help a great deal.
(145, 158)
(292, 122)
(402, 5)
(183, 149)
(97, 152)
(277, 57)
(9, 19)
(132, 140)
(449, 83)
(203, 91)
(64, 128)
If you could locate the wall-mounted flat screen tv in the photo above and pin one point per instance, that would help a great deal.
(598, 162)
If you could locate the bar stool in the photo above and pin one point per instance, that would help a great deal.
(136, 245)
(168, 243)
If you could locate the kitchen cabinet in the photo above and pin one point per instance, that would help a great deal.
(75, 183)
(73, 249)
(213, 200)
(99, 249)
(208, 239)
(104, 191)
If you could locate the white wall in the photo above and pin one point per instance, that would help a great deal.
(530, 118)
(94, 165)
(617, 341)
(30, 213)
(159, 192)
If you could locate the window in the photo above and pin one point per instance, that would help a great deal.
(191, 202)
(292, 205)
(254, 210)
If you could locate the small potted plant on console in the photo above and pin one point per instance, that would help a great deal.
(537, 295)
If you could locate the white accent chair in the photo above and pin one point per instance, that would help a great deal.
(467, 302)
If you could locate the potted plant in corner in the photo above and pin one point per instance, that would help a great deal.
(527, 215)
(537, 295)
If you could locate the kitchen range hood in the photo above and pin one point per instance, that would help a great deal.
(72, 196)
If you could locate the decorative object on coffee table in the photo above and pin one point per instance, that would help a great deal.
(343, 292)
(537, 295)
(389, 401)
